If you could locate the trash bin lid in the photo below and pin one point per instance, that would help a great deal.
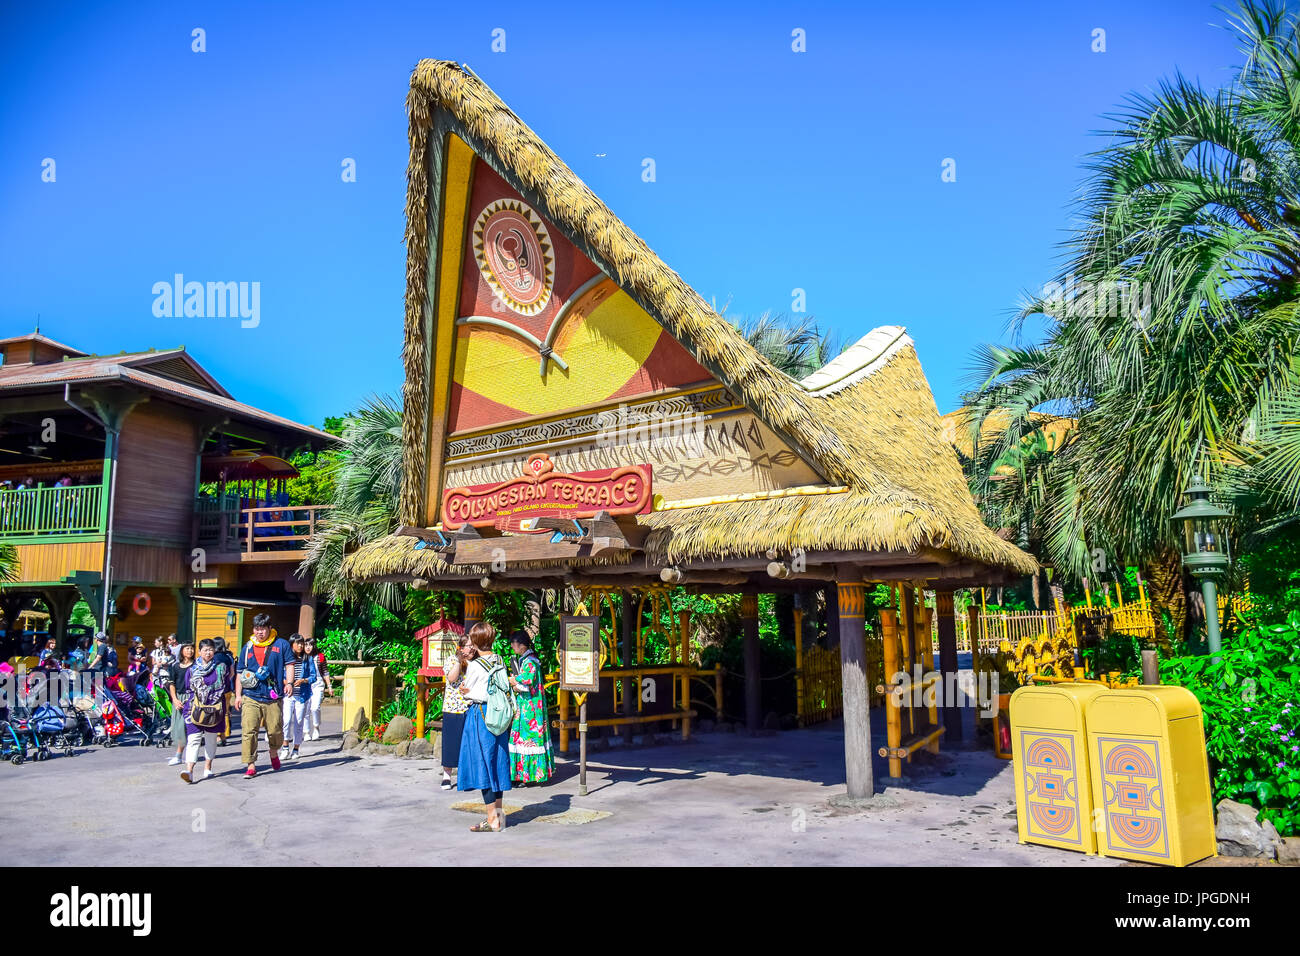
(1142, 711)
(1052, 706)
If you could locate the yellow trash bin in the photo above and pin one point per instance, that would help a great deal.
(362, 689)
(1150, 775)
(1049, 753)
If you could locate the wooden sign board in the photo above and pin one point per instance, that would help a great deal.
(439, 649)
(542, 492)
(580, 654)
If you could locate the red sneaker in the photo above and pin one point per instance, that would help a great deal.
(250, 772)
(275, 762)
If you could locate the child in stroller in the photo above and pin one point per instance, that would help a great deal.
(138, 709)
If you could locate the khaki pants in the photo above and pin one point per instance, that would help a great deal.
(252, 715)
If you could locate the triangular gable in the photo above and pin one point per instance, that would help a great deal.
(540, 330)
(515, 297)
(179, 366)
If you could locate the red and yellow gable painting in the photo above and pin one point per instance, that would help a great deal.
(541, 330)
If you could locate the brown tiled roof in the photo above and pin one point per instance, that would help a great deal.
(43, 340)
(129, 369)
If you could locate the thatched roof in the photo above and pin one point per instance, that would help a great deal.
(867, 422)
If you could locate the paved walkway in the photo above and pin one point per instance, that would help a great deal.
(720, 799)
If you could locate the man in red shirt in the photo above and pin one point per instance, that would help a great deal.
(259, 689)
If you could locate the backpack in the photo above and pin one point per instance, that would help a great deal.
(500, 710)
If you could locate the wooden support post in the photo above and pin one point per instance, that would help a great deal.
(851, 597)
(630, 624)
(473, 608)
(686, 706)
(307, 615)
(893, 717)
(926, 634)
(718, 713)
(908, 656)
(1150, 668)
(798, 663)
(947, 622)
(753, 669)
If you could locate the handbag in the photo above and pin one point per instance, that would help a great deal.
(202, 714)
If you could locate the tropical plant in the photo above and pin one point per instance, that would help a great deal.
(1250, 700)
(367, 485)
(8, 563)
(796, 347)
(1175, 314)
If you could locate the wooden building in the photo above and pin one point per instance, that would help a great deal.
(578, 415)
(108, 468)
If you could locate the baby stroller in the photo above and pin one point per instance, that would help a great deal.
(56, 728)
(138, 711)
(102, 720)
(21, 725)
(12, 747)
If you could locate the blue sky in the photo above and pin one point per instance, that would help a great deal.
(775, 170)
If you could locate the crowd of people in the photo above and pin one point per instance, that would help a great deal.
(64, 480)
(495, 732)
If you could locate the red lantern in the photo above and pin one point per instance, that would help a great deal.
(439, 646)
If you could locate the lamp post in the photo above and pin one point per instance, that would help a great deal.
(1206, 553)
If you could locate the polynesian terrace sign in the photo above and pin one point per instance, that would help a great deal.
(543, 492)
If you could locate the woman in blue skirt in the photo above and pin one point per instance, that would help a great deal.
(484, 756)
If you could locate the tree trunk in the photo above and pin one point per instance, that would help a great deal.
(1038, 595)
(1168, 591)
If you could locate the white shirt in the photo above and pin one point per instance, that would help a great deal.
(475, 684)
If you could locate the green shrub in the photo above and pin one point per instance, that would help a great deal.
(1251, 700)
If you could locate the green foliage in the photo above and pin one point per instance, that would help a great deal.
(350, 645)
(364, 478)
(315, 482)
(1173, 318)
(795, 346)
(1251, 701)
(83, 616)
(8, 563)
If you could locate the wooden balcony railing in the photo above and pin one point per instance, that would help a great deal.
(52, 511)
(225, 528)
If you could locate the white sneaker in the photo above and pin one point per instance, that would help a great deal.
(174, 761)
(206, 774)
(293, 755)
(315, 735)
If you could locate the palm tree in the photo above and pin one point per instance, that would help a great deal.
(1175, 313)
(8, 563)
(367, 490)
(796, 347)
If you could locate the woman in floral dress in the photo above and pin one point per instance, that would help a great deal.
(531, 760)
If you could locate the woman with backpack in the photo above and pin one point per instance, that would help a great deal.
(484, 747)
(530, 737)
(203, 708)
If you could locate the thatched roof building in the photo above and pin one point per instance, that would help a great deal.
(848, 466)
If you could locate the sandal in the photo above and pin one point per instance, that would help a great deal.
(484, 827)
